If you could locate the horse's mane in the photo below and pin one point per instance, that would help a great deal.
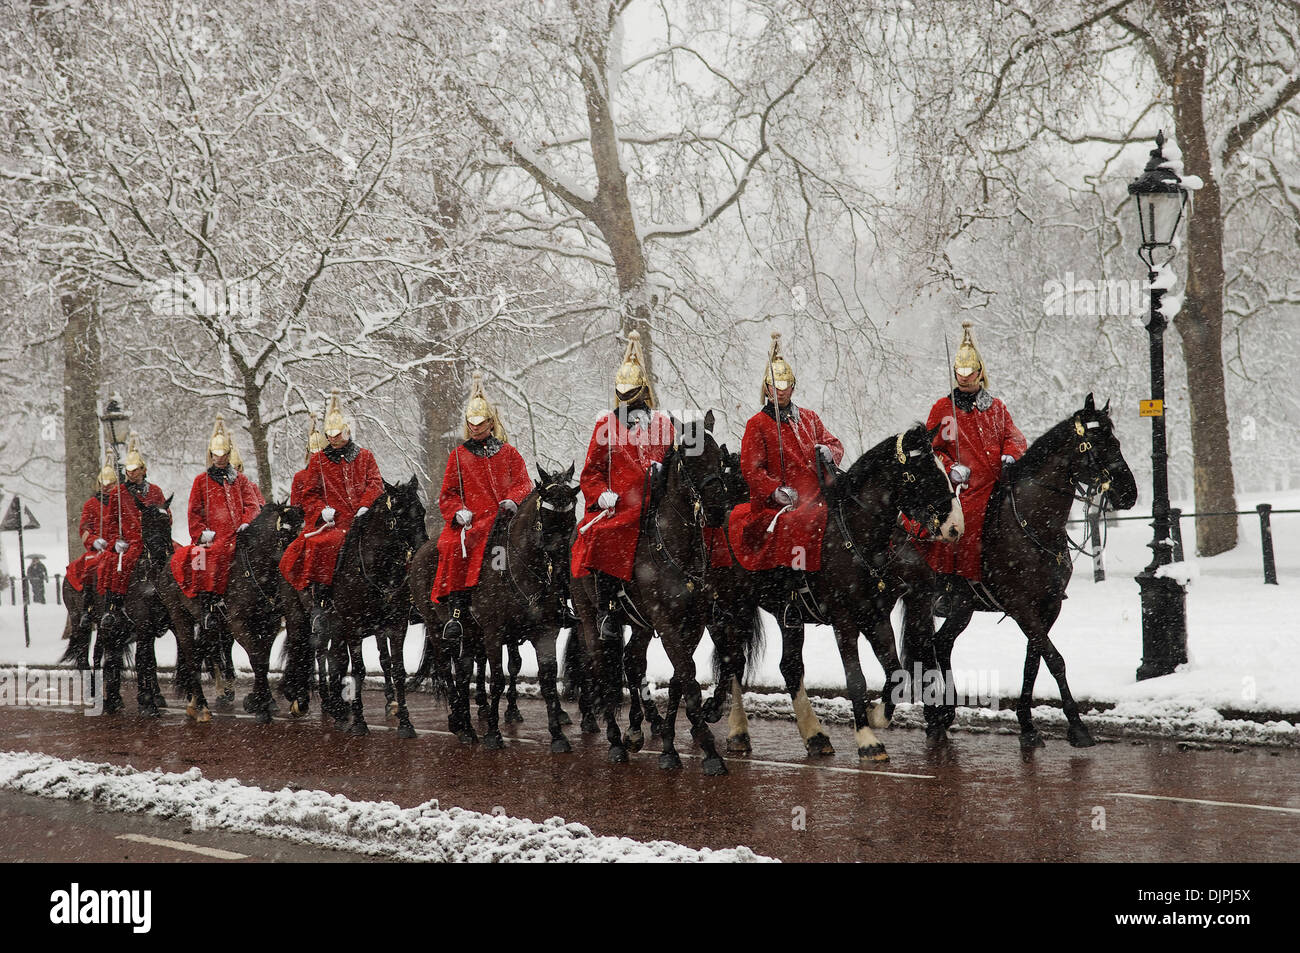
(1035, 458)
(850, 483)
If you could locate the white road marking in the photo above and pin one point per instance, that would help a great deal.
(1193, 800)
(181, 845)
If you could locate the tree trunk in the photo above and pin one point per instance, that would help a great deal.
(1200, 322)
(81, 369)
(257, 431)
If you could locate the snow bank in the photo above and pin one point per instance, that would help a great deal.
(379, 829)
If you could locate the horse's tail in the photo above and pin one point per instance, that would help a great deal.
(571, 665)
(78, 649)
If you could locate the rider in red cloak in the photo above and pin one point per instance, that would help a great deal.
(976, 439)
(486, 478)
(779, 530)
(96, 531)
(627, 445)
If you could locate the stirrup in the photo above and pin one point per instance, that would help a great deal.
(608, 628)
(792, 617)
(453, 631)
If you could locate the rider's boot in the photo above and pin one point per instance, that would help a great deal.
(320, 605)
(609, 614)
(453, 633)
(792, 584)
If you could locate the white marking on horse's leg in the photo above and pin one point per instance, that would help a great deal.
(876, 716)
(867, 740)
(809, 724)
(737, 720)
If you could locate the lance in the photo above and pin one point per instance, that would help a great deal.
(460, 478)
(956, 431)
(776, 407)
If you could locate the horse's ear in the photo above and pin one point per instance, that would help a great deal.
(169, 501)
(723, 450)
(568, 474)
(933, 432)
(414, 485)
(1106, 410)
(541, 471)
(1088, 404)
(708, 421)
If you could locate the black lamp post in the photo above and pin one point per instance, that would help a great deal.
(112, 416)
(1161, 197)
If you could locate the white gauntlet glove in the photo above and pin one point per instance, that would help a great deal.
(121, 546)
(824, 452)
(607, 500)
(206, 537)
(1007, 459)
(363, 511)
(327, 514)
(786, 495)
(99, 545)
(960, 474)
(464, 517)
(241, 527)
(508, 505)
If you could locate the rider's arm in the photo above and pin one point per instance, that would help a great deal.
(758, 461)
(1014, 443)
(198, 518)
(449, 500)
(828, 439)
(595, 478)
(372, 482)
(520, 483)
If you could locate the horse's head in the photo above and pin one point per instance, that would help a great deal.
(155, 526)
(924, 493)
(557, 508)
(1098, 463)
(399, 515)
(288, 523)
(695, 466)
(733, 479)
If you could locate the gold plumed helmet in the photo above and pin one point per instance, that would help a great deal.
(480, 409)
(236, 460)
(777, 369)
(632, 382)
(334, 422)
(108, 473)
(316, 441)
(968, 357)
(220, 444)
(133, 459)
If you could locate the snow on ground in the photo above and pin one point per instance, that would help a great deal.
(379, 829)
(1243, 636)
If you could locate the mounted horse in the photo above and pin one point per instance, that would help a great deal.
(667, 593)
(1025, 558)
(850, 591)
(371, 597)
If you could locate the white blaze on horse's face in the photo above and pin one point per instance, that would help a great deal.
(955, 524)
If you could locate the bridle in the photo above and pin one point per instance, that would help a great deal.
(387, 593)
(698, 519)
(548, 549)
(250, 573)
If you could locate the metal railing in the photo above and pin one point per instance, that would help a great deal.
(1264, 511)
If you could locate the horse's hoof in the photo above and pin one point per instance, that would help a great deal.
(493, 741)
(712, 711)
(563, 718)
(190, 709)
(715, 766)
(272, 705)
(466, 737)
(617, 755)
(670, 760)
(819, 745)
(739, 744)
(589, 725)
(1033, 738)
(359, 727)
(406, 730)
(250, 704)
(204, 716)
(560, 745)
(872, 754)
(656, 727)
(514, 716)
(391, 710)
(483, 713)
(936, 736)
(340, 724)
(299, 708)
(877, 717)
(149, 711)
(1079, 737)
(113, 705)
(634, 741)
(159, 701)
(224, 704)
(262, 717)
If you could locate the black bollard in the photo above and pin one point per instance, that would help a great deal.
(1098, 564)
(1266, 543)
(58, 588)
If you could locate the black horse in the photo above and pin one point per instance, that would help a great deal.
(668, 591)
(142, 618)
(517, 599)
(1025, 559)
(899, 475)
(372, 597)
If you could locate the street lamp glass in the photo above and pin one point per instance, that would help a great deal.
(1159, 214)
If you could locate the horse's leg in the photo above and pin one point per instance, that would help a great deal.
(462, 670)
(260, 658)
(358, 726)
(397, 647)
(634, 666)
(880, 634)
(480, 663)
(146, 675)
(1030, 737)
(338, 664)
(1040, 643)
(513, 715)
(609, 686)
(738, 722)
(492, 648)
(547, 672)
(814, 736)
(386, 666)
(870, 749)
(963, 608)
(682, 656)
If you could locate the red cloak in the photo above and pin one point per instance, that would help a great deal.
(346, 485)
(222, 508)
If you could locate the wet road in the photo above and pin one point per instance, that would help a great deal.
(977, 800)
